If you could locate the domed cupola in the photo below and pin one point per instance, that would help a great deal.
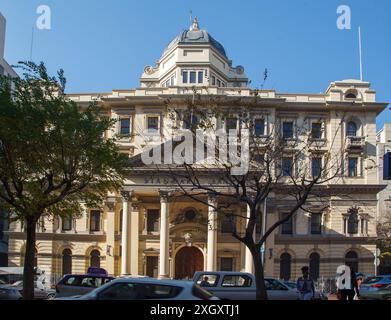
(194, 58)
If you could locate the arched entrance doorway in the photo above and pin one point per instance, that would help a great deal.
(187, 261)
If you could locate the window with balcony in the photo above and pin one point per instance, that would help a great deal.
(351, 129)
(353, 167)
(287, 130)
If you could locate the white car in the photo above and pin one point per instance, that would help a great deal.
(146, 289)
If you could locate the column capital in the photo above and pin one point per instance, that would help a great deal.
(126, 195)
(135, 205)
(212, 199)
(164, 196)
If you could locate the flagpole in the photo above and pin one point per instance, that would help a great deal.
(360, 49)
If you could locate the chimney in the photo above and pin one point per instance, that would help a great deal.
(2, 36)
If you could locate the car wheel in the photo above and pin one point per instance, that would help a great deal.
(51, 296)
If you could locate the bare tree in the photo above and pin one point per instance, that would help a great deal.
(279, 161)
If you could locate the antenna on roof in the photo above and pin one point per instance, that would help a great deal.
(360, 51)
(32, 43)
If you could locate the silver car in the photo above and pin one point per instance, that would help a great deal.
(241, 286)
(146, 289)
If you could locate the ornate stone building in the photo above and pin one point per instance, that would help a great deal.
(139, 231)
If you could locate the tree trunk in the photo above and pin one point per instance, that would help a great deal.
(29, 257)
(261, 293)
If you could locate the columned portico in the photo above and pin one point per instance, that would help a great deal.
(164, 271)
(212, 234)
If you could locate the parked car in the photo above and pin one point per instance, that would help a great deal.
(15, 291)
(146, 289)
(377, 287)
(80, 284)
(241, 286)
(318, 294)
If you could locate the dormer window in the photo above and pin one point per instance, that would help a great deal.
(351, 94)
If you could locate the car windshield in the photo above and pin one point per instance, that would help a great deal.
(17, 284)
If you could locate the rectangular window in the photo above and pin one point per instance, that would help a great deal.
(184, 76)
(67, 223)
(153, 216)
(259, 127)
(352, 167)
(287, 130)
(231, 124)
(316, 166)
(213, 80)
(1, 70)
(192, 77)
(200, 77)
(316, 130)
(226, 264)
(227, 223)
(287, 167)
(95, 220)
(153, 124)
(287, 226)
(316, 223)
(218, 82)
(152, 266)
(125, 126)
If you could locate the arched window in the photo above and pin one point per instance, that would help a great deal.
(285, 266)
(66, 261)
(351, 260)
(353, 222)
(95, 259)
(350, 95)
(314, 266)
(351, 129)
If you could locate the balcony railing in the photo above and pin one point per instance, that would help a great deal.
(355, 142)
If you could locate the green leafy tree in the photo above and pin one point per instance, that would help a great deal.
(53, 154)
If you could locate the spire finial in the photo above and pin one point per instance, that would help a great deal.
(195, 25)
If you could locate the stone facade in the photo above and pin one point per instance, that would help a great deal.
(141, 231)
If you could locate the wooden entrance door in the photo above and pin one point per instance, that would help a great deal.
(187, 261)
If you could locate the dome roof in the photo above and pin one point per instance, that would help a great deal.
(196, 35)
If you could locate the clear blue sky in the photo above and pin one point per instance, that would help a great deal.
(104, 45)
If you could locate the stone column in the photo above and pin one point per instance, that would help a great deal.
(212, 234)
(125, 236)
(164, 235)
(110, 235)
(134, 237)
(249, 262)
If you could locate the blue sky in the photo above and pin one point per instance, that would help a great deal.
(104, 45)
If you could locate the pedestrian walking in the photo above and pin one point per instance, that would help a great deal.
(305, 285)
